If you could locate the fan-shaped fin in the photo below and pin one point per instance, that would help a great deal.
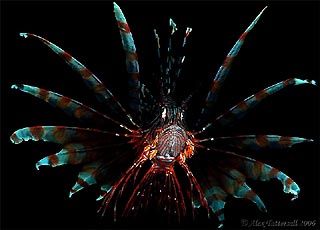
(224, 70)
(219, 182)
(233, 182)
(131, 61)
(71, 107)
(215, 195)
(257, 142)
(75, 153)
(216, 199)
(60, 134)
(257, 170)
(239, 110)
(246, 192)
(102, 92)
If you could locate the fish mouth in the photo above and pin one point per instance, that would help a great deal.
(163, 162)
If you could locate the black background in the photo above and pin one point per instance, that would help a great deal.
(284, 44)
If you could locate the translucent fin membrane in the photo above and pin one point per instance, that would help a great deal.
(70, 106)
(77, 153)
(219, 183)
(102, 93)
(228, 177)
(257, 170)
(131, 61)
(223, 72)
(61, 134)
(239, 110)
(233, 183)
(257, 142)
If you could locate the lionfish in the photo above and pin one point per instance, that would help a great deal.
(122, 151)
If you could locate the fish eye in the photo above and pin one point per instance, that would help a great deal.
(180, 114)
(164, 113)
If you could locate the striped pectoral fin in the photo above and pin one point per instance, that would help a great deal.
(246, 192)
(60, 134)
(221, 181)
(68, 105)
(131, 60)
(102, 93)
(257, 170)
(61, 158)
(216, 197)
(224, 69)
(90, 79)
(257, 142)
(233, 182)
(268, 172)
(289, 186)
(104, 189)
(239, 110)
(86, 177)
(217, 207)
(75, 153)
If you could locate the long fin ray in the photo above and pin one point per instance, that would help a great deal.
(61, 134)
(131, 61)
(102, 93)
(223, 72)
(70, 106)
(257, 142)
(239, 110)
